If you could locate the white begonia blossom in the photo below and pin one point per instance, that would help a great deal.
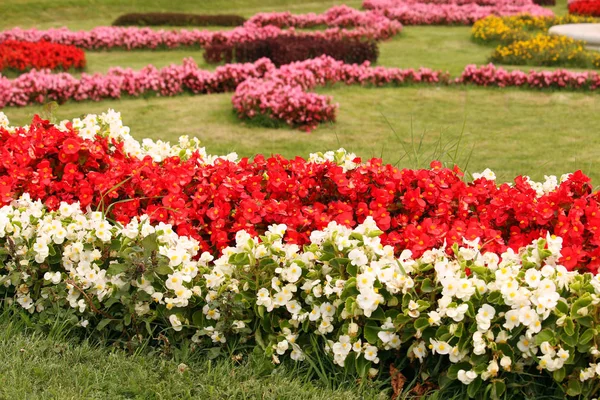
(466, 377)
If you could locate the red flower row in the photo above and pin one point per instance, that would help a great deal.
(416, 209)
(22, 56)
(585, 7)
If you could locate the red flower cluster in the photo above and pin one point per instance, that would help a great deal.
(585, 7)
(416, 209)
(22, 56)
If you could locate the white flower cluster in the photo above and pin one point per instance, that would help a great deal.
(549, 185)
(345, 286)
(84, 238)
(340, 157)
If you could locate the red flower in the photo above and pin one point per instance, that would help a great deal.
(71, 146)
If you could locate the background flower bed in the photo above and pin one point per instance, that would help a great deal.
(366, 25)
(416, 12)
(23, 56)
(287, 49)
(178, 19)
(524, 40)
(585, 7)
(277, 94)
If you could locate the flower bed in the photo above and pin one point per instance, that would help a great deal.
(96, 162)
(178, 19)
(464, 282)
(524, 40)
(450, 13)
(585, 7)
(23, 56)
(276, 102)
(366, 25)
(287, 49)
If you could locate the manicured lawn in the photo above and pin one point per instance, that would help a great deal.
(511, 131)
(41, 366)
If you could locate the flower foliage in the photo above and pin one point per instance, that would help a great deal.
(178, 19)
(287, 49)
(468, 315)
(22, 56)
(452, 12)
(524, 40)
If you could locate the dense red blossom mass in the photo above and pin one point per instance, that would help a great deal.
(22, 56)
(585, 7)
(416, 209)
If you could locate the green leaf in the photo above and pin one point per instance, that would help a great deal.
(587, 336)
(115, 269)
(473, 388)
(559, 374)
(349, 305)
(571, 339)
(102, 324)
(569, 327)
(352, 269)
(259, 339)
(198, 318)
(562, 307)
(350, 289)
(402, 319)
(421, 323)
(498, 389)
(163, 269)
(378, 315)
(574, 387)
(213, 353)
(149, 243)
(547, 335)
(427, 286)
(362, 366)
(370, 332)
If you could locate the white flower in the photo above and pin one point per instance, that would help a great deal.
(533, 277)
(53, 277)
(506, 363)
(484, 317)
(371, 354)
(439, 347)
(466, 377)
(293, 273)
(175, 322)
(281, 347)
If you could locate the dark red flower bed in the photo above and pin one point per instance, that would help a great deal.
(178, 19)
(287, 49)
(23, 56)
(585, 7)
(416, 209)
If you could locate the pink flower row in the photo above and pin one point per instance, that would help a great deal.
(338, 16)
(416, 12)
(369, 24)
(280, 101)
(43, 86)
(281, 94)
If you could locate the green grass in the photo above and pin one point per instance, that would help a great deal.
(34, 365)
